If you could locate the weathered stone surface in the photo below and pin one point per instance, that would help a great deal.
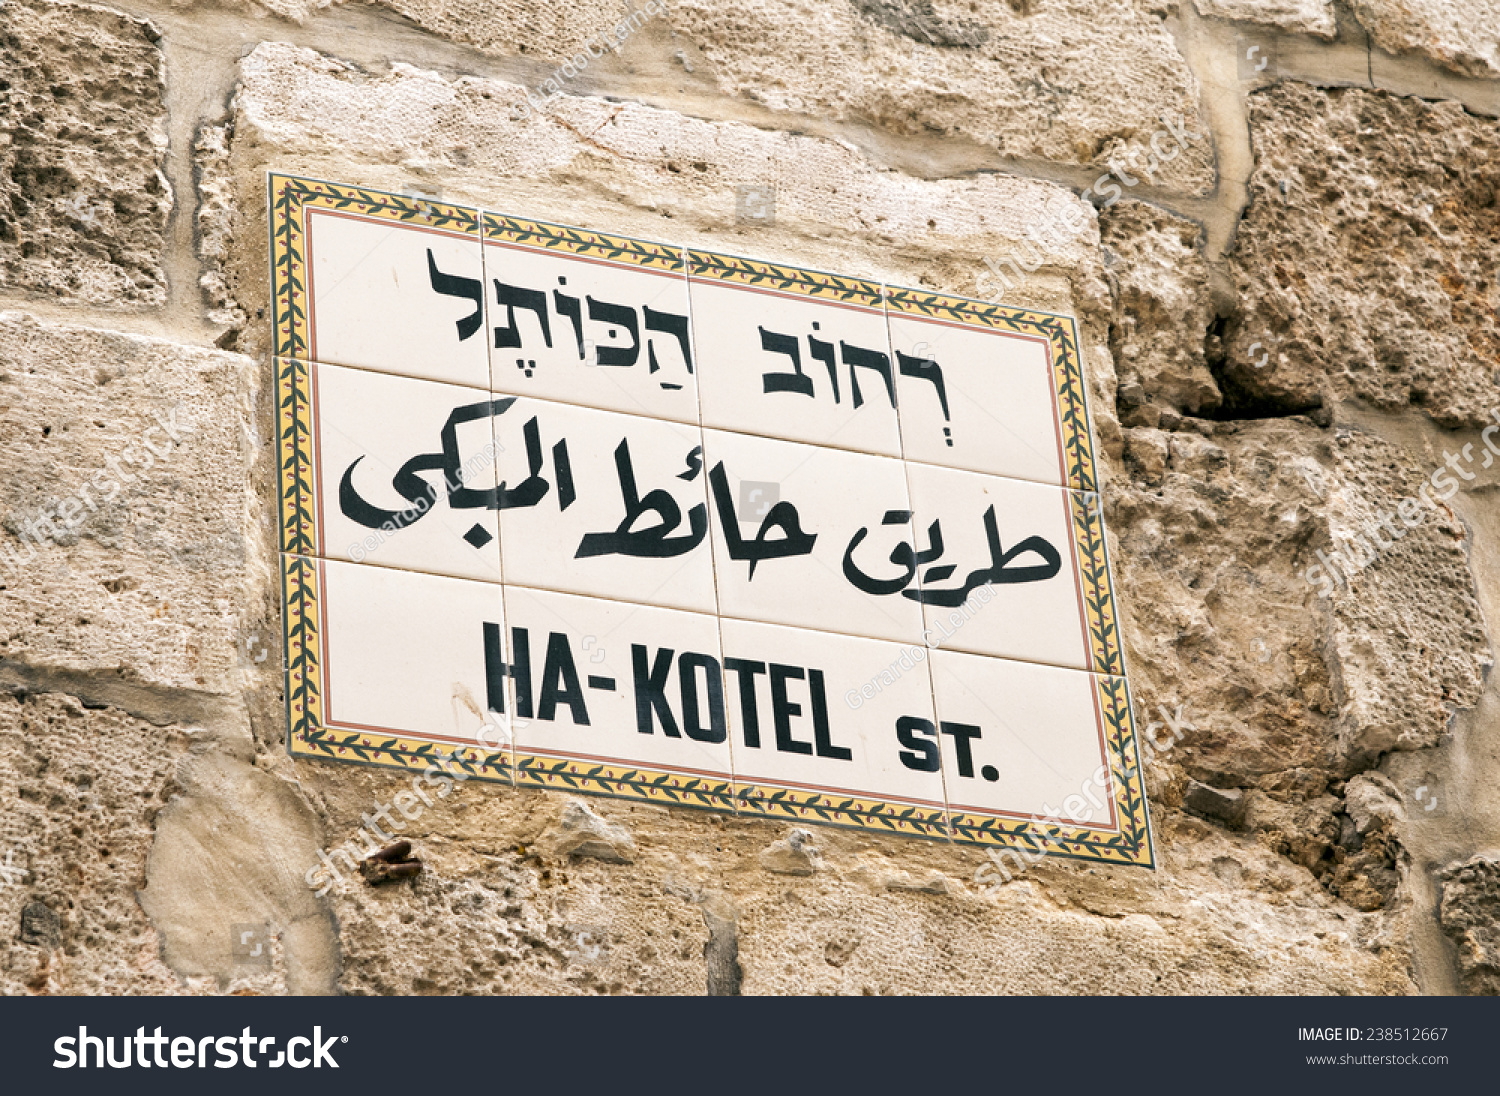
(147, 582)
(232, 850)
(1470, 914)
(83, 198)
(1407, 645)
(1162, 312)
(1460, 34)
(1259, 926)
(488, 915)
(1300, 16)
(216, 219)
(1218, 543)
(795, 854)
(82, 791)
(1071, 81)
(1226, 805)
(1365, 264)
(581, 832)
(1065, 81)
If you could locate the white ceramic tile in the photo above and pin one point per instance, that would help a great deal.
(1021, 740)
(779, 495)
(1001, 408)
(406, 653)
(613, 683)
(623, 513)
(794, 367)
(400, 298)
(615, 337)
(375, 435)
(981, 521)
(831, 713)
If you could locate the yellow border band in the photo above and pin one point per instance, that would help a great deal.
(753, 274)
(581, 242)
(1095, 585)
(623, 782)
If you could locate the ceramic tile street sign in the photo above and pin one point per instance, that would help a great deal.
(571, 510)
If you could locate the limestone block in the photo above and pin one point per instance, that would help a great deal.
(230, 856)
(1407, 646)
(1072, 81)
(1227, 618)
(1068, 81)
(1470, 915)
(141, 568)
(82, 791)
(1229, 917)
(1458, 34)
(1313, 17)
(83, 198)
(1162, 308)
(1365, 263)
(488, 916)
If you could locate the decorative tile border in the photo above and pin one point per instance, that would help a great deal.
(623, 782)
(753, 274)
(1062, 336)
(294, 457)
(1095, 586)
(290, 200)
(759, 800)
(1130, 844)
(542, 236)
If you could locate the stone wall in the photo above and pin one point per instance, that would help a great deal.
(1289, 328)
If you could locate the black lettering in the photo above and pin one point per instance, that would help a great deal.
(560, 682)
(920, 754)
(961, 733)
(520, 671)
(494, 669)
(745, 670)
(651, 691)
(783, 709)
(825, 746)
(688, 665)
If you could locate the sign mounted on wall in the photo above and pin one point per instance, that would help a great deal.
(568, 510)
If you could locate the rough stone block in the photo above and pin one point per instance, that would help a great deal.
(141, 567)
(1365, 264)
(82, 790)
(1074, 82)
(1458, 34)
(1470, 915)
(1314, 17)
(83, 198)
(1226, 805)
(1162, 309)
